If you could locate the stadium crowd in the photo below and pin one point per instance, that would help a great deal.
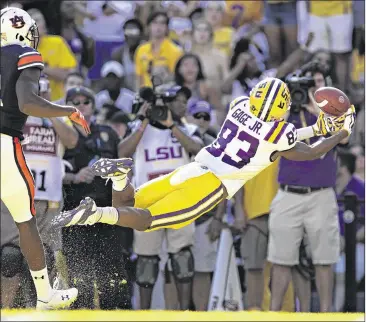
(99, 57)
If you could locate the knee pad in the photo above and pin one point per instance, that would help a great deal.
(12, 261)
(147, 270)
(183, 265)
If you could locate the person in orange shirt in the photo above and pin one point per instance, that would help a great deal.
(58, 58)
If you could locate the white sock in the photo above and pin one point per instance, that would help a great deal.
(108, 215)
(120, 182)
(42, 284)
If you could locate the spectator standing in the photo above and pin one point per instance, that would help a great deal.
(214, 14)
(89, 259)
(280, 21)
(119, 122)
(305, 204)
(159, 50)
(56, 54)
(133, 33)
(208, 226)
(347, 182)
(80, 44)
(189, 73)
(214, 62)
(331, 22)
(254, 240)
(114, 93)
(180, 31)
(73, 79)
(239, 13)
(151, 142)
(109, 14)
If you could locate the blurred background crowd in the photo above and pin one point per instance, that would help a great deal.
(100, 56)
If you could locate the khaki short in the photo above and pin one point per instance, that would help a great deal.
(254, 243)
(294, 214)
(204, 251)
(150, 243)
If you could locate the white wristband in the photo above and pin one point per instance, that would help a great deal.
(305, 133)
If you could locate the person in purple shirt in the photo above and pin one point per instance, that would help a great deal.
(305, 210)
(348, 182)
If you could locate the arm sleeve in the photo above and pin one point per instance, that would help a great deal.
(30, 58)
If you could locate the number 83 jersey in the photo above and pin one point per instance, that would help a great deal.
(244, 146)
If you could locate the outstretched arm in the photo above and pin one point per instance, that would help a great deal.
(304, 152)
(32, 104)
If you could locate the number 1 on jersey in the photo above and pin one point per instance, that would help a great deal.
(228, 132)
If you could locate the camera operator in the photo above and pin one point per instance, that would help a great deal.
(94, 254)
(305, 204)
(160, 142)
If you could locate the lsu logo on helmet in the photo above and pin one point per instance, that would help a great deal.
(270, 99)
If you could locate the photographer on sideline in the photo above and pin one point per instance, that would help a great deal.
(160, 134)
(305, 204)
(94, 260)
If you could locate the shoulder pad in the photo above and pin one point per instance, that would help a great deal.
(29, 57)
(284, 135)
(237, 101)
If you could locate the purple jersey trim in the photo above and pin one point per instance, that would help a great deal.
(271, 131)
(280, 134)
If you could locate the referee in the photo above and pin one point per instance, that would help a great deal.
(94, 254)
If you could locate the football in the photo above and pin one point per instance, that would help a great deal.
(332, 101)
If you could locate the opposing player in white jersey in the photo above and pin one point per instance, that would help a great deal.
(252, 136)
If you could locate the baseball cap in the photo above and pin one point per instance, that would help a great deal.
(119, 117)
(180, 4)
(80, 90)
(198, 106)
(180, 25)
(174, 90)
(216, 4)
(113, 67)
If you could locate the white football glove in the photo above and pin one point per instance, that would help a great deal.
(349, 120)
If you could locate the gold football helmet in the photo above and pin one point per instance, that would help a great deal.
(270, 99)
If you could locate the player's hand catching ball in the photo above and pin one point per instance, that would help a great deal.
(349, 120)
(79, 119)
(320, 127)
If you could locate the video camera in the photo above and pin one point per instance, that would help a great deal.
(299, 85)
(159, 95)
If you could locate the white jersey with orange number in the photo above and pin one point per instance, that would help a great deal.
(244, 146)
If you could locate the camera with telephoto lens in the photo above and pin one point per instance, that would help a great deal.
(298, 84)
(158, 96)
(298, 87)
